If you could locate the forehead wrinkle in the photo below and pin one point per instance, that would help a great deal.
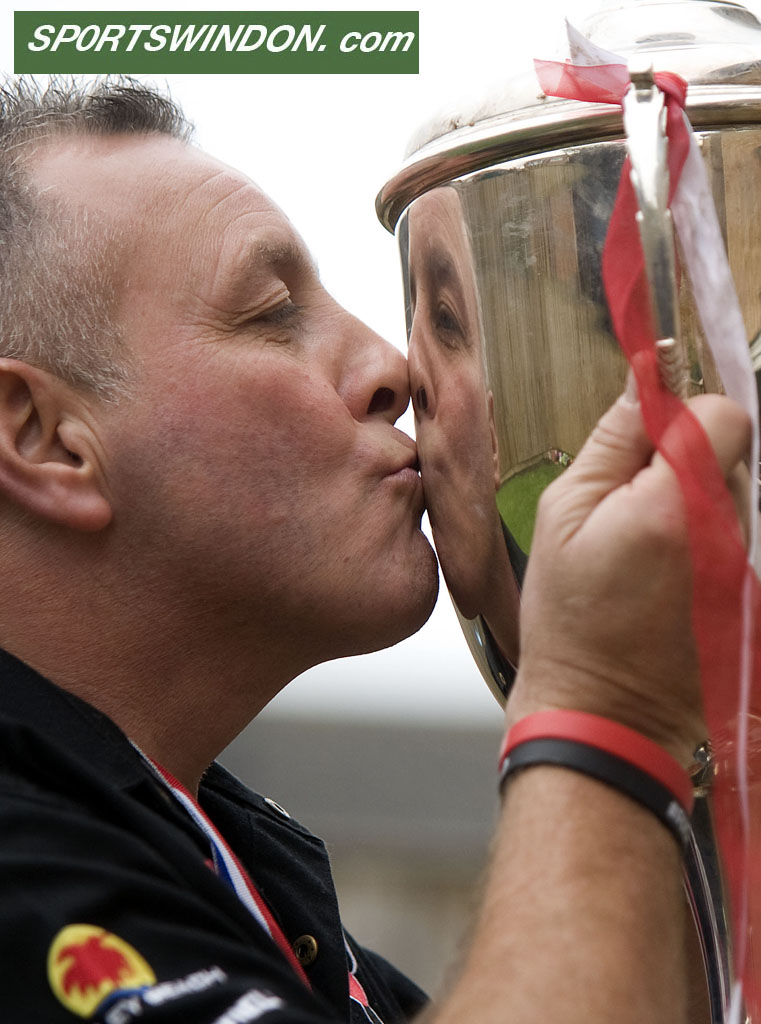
(175, 197)
(235, 188)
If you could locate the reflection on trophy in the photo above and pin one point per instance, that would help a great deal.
(456, 431)
(501, 216)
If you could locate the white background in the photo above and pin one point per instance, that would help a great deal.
(322, 146)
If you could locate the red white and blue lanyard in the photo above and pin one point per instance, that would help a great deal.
(356, 991)
(230, 870)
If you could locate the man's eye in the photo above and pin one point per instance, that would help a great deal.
(445, 320)
(283, 316)
(276, 324)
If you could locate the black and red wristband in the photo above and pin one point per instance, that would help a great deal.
(609, 752)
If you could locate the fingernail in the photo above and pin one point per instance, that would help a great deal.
(630, 389)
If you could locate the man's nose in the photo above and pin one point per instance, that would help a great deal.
(375, 382)
(420, 378)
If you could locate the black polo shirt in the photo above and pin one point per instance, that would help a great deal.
(110, 909)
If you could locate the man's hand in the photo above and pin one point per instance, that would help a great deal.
(584, 916)
(607, 599)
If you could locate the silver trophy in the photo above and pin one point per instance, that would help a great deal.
(501, 215)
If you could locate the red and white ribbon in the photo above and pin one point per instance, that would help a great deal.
(726, 598)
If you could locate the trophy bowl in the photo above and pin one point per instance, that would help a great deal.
(501, 214)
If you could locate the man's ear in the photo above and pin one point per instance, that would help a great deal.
(48, 464)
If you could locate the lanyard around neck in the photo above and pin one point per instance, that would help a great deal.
(228, 867)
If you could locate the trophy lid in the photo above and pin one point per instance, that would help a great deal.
(714, 44)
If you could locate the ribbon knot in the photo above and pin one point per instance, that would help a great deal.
(600, 83)
(674, 86)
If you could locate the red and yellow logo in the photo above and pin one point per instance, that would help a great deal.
(86, 963)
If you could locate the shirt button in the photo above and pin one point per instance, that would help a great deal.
(276, 807)
(305, 949)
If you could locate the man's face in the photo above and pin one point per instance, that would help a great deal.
(456, 439)
(256, 476)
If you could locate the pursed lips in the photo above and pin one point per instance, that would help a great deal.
(408, 463)
(406, 476)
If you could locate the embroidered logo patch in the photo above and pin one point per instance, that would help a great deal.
(87, 963)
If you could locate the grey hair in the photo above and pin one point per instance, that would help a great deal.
(57, 295)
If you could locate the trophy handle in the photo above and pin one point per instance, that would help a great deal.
(703, 884)
(645, 126)
(644, 123)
